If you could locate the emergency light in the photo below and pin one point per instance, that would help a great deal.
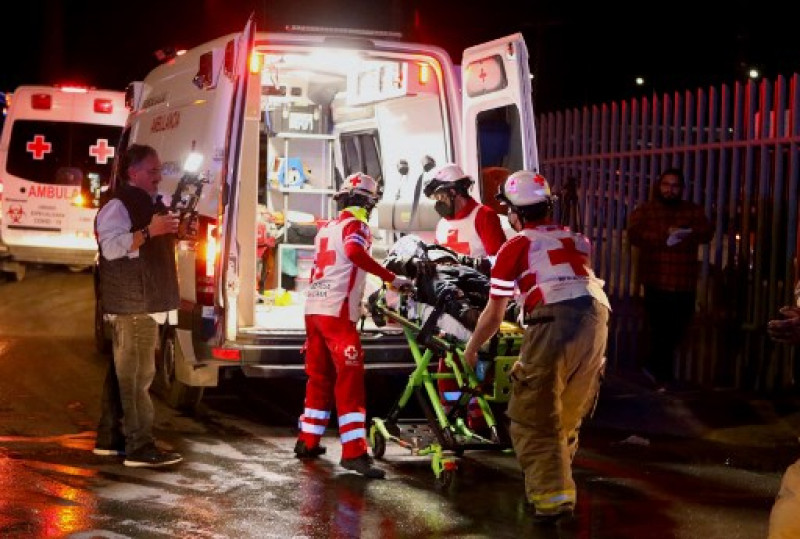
(103, 106)
(41, 101)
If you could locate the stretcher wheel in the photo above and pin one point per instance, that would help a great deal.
(445, 478)
(378, 445)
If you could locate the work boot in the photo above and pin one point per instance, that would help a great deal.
(303, 452)
(363, 465)
(561, 513)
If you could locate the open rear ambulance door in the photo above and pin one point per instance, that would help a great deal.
(229, 263)
(499, 135)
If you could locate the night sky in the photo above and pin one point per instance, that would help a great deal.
(581, 52)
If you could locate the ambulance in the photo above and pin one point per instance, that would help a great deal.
(268, 124)
(56, 153)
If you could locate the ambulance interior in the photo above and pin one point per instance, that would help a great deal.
(324, 116)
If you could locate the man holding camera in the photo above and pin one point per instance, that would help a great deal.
(138, 286)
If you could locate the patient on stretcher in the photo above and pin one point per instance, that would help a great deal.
(437, 271)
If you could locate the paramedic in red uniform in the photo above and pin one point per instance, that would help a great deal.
(466, 226)
(471, 229)
(565, 313)
(334, 357)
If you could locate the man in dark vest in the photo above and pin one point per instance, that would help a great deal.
(138, 291)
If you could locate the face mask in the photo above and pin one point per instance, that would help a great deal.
(444, 209)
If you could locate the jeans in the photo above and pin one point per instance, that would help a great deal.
(126, 406)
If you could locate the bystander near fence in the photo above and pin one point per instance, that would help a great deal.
(738, 148)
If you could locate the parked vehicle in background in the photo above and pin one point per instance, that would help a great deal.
(56, 152)
(276, 120)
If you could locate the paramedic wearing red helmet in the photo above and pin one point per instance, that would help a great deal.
(466, 226)
(565, 311)
(334, 357)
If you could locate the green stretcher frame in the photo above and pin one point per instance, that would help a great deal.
(452, 432)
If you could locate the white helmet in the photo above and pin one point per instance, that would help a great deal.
(445, 177)
(524, 188)
(359, 183)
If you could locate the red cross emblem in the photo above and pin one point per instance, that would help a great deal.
(453, 243)
(101, 151)
(569, 255)
(350, 352)
(511, 186)
(538, 179)
(15, 213)
(38, 147)
(324, 258)
(355, 181)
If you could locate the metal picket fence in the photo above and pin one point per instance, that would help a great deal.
(738, 148)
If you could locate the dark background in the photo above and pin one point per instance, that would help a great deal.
(581, 52)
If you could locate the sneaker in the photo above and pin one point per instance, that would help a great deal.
(151, 457)
(109, 451)
(363, 465)
(303, 452)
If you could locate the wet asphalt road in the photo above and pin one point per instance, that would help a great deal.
(239, 478)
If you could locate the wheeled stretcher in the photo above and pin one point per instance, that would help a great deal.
(443, 434)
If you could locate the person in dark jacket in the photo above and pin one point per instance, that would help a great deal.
(668, 231)
(138, 288)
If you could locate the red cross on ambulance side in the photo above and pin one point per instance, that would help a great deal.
(101, 151)
(38, 147)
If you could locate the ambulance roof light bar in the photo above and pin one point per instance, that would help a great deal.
(356, 32)
(72, 89)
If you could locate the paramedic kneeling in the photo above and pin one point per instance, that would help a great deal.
(334, 357)
(557, 378)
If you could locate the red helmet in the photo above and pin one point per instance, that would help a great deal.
(524, 188)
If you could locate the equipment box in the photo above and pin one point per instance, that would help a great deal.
(307, 119)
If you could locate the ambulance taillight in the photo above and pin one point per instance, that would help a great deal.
(41, 101)
(206, 260)
(103, 106)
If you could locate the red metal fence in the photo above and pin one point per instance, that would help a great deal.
(738, 148)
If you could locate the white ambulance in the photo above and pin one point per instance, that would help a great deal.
(276, 120)
(56, 154)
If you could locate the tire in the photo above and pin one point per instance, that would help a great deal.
(379, 446)
(166, 385)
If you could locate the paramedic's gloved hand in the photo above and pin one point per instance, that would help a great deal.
(401, 283)
(423, 268)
